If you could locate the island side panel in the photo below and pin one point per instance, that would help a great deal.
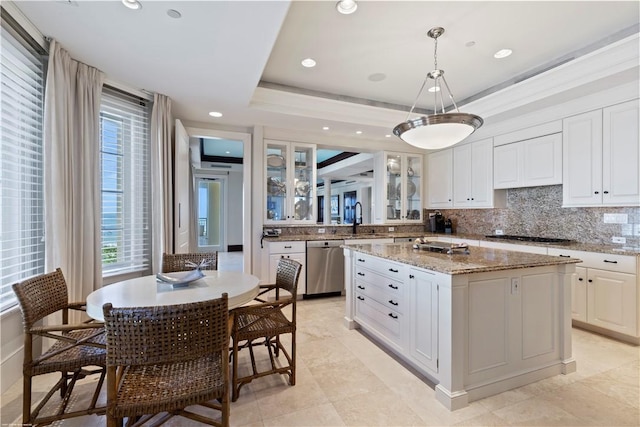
(349, 309)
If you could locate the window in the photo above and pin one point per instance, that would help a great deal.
(21, 173)
(126, 193)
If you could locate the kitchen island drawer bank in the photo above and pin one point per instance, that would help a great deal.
(476, 324)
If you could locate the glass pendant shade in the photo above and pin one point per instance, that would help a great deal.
(437, 130)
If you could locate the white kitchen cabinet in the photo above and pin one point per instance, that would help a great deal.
(440, 179)
(423, 315)
(473, 175)
(605, 291)
(379, 296)
(579, 295)
(530, 163)
(296, 251)
(290, 183)
(601, 157)
(399, 188)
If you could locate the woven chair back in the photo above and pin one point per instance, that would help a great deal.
(166, 334)
(41, 296)
(178, 262)
(287, 274)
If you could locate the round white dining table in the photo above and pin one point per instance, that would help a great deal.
(148, 291)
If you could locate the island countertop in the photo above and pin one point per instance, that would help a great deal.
(477, 261)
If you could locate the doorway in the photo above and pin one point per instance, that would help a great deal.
(211, 201)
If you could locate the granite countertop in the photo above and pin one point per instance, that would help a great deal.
(575, 246)
(477, 261)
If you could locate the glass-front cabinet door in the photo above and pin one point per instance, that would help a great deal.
(290, 182)
(403, 187)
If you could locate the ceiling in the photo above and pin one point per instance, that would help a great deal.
(242, 58)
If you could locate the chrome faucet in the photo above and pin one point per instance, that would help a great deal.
(355, 216)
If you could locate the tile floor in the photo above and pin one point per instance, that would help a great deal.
(344, 379)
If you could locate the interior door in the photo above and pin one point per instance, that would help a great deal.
(211, 202)
(182, 190)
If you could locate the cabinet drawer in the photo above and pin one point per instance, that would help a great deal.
(610, 262)
(286, 247)
(391, 296)
(387, 322)
(377, 265)
(393, 287)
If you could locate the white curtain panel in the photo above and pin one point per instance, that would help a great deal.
(161, 179)
(72, 172)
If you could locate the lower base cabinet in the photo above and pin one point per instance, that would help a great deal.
(611, 300)
(296, 251)
(423, 326)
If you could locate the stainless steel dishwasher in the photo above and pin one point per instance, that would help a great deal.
(325, 268)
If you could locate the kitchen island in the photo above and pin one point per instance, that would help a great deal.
(476, 324)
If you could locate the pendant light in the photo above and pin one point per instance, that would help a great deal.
(437, 130)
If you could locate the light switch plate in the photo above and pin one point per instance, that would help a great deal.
(499, 232)
(610, 218)
(616, 239)
(321, 230)
(391, 228)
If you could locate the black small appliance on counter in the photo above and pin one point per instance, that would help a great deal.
(437, 222)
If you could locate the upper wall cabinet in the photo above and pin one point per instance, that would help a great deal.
(290, 183)
(399, 188)
(462, 177)
(530, 163)
(440, 179)
(601, 157)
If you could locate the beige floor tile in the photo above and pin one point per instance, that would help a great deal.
(343, 380)
(484, 420)
(505, 399)
(321, 352)
(374, 409)
(537, 412)
(593, 407)
(321, 415)
(284, 399)
(620, 383)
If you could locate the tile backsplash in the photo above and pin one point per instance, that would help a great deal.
(538, 211)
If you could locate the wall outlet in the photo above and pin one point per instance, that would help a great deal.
(499, 232)
(392, 228)
(616, 239)
(515, 285)
(320, 230)
(610, 218)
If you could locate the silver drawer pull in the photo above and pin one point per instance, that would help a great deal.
(610, 262)
(360, 287)
(392, 302)
(393, 270)
(360, 298)
(392, 286)
(393, 316)
(360, 260)
(360, 273)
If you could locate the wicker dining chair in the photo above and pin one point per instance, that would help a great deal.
(162, 359)
(262, 324)
(183, 262)
(78, 349)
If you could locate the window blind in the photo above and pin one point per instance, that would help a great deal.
(21, 153)
(126, 192)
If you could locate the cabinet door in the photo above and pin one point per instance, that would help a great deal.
(482, 173)
(303, 179)
(462, 192)
(273, 268)
(611, 300)
(506, 168)
(413, 193)
(582, 159)
(579, 295)
(542, 160)
(621, 155)
(423, 325)
(440, 182)
(277, 209)
(394, 186)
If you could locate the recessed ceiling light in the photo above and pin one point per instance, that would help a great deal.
(325, 127)
(215, 114)
(502, 53)
(174, 14)
(227, 152)
(308, 63)
(387, 136)
(359, 132)
(434, 89)
(132, 4)
(377, 77)
(346, 7)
